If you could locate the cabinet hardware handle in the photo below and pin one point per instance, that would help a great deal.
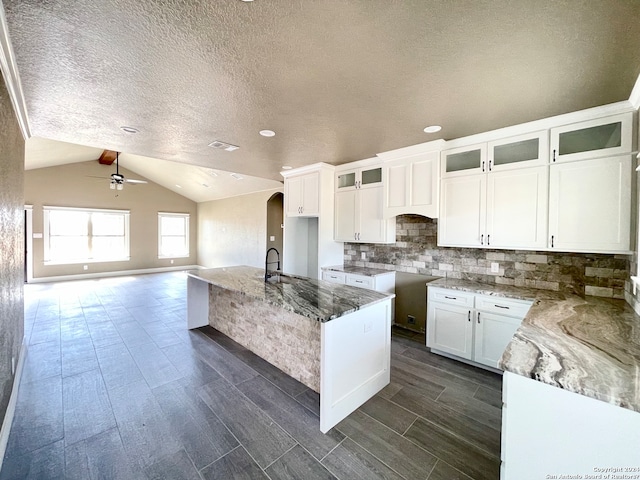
(359, 281)
(478, 317)
(488, 243)
(483, 165)
(554, 154)
(482, 239)
(489, 165)
(552, 241)
(451, 298)
(500, 306)
(469, 316)
(355, 236)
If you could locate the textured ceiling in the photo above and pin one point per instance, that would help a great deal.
(338, 80)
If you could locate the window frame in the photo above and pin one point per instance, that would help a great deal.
(186, 217)
(46, 209)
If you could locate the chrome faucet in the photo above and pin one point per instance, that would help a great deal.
(267, 275)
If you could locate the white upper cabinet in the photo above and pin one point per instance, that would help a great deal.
(590, 205)
(358, 207)
(411, 185)
(517, 208)
(529, 150)
(602, 137)
(461, 161)
(495, 195)
(462, 211)
(302, 195)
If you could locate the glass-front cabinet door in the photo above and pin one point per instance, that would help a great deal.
(592, 138)
(527, 150)
(464, 160)
(358, 178)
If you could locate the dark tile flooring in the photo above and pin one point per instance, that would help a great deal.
(115, 387)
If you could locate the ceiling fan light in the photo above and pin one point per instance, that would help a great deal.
(119, 186)
(112, 185)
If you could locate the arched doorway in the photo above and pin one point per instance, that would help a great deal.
(275, 221)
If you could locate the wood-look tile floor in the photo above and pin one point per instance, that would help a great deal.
(115, 387)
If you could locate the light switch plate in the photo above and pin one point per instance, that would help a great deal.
(495, 267)
(363, 255)
(272, 238)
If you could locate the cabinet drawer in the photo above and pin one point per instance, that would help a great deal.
(361, 281)
(452, 297)
(502, 306)
(334, 277)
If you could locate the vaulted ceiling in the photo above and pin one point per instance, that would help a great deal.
(337, 80)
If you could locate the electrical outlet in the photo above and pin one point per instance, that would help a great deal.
(172, 261)
(411, 320)
(495, 267)
(272, 238)
(85, 267)
(363, 255)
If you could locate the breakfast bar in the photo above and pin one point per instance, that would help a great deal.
(335, 339)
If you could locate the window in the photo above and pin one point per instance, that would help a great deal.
(173, 235)
(77, 235)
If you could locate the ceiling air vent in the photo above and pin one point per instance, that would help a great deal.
(223, 146)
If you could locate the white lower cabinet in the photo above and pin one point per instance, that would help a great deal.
(472, 326)
(385, 282)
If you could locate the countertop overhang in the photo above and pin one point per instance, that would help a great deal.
(590, 345)
(315, 299)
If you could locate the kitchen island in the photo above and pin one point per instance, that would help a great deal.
(335, 339)
(571, 388)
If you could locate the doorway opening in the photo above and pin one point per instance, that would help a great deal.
(275, 223)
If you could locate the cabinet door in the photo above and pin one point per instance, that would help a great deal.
(293, 196)
(334, 277)
(590, 205)
(464, 160)
(346, 180)
(371, 225)
(450, 329)
(462, 211)
(411, 186)
(529, 150)
(345, 216)
(310, 195)
(492, 335)
(601, 137)
(517, 208)
(370, 177)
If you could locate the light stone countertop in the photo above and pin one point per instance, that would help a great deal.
(315, 299)
(589, 345)
(366, 271)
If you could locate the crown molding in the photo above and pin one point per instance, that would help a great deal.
(9, 70)
(634, 98)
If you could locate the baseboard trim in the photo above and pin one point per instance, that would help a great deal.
(119, 273)
(13, 400)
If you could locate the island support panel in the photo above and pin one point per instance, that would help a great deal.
(289, 341)
(356, 353)
(552, 433)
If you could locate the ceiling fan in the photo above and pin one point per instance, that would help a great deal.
(117, 180)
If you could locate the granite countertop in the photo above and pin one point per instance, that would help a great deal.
(366, 271)
(589, 345)
(322, 301)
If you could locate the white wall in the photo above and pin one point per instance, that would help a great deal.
(232, 231)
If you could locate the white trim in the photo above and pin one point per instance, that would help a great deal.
(367, 162)
(120, 273)
(543, 124)
(315, 167)
(412, 150)
(634, 97)
(187, 240)
(13, 399)
(29, 239)
(83, 209)
(11, 76)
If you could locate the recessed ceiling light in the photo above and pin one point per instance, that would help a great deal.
(178, 186)
(236, 176)
(267, 133)
(432, 129)
(286, 167)
(131, 130)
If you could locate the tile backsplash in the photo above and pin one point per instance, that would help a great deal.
(416, 251)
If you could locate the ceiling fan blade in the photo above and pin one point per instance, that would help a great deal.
(97, 176)
(132, 180)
